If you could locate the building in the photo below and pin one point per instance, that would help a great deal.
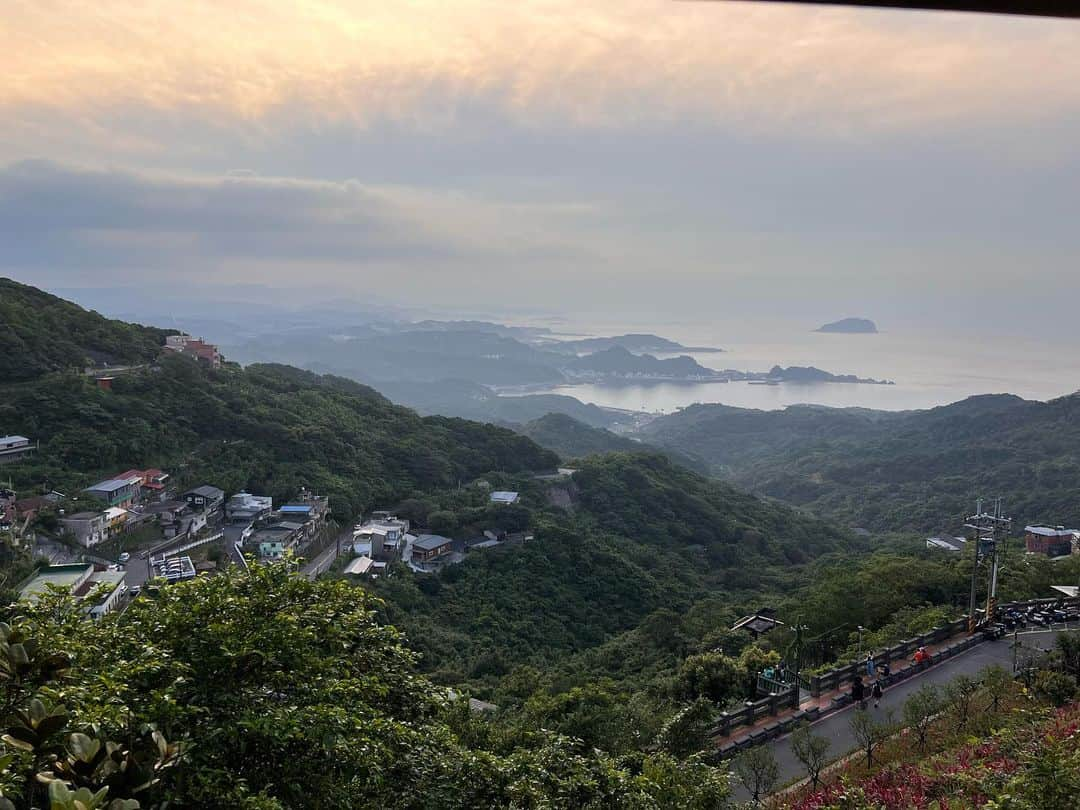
(197, 348)
(273, 541)
(88, 528)
(204, 498)
(28, 508)
(150, 481)
(168, 514)
(314, 509)
(14, 448)
(944, 543)
(7, 506)
(429, 546)
(122, 492)
(365, 566)
(502, 497)
(244, 507)
(382, 537)
(83, 580)
(1056, 541)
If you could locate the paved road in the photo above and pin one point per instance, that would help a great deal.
(325, 558)
(836, 727)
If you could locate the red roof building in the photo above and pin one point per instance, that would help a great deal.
(153, 479)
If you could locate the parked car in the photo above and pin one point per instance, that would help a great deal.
(124, 557)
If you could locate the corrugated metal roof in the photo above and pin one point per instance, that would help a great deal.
(430, 542)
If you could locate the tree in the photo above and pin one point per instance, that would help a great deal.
(870, 733)
(276, 692)
(811, 750)
(756, 768)
(752, 660)
(1057, 687)
(997, 683)
(710, 675)
(920, 709)
(687, 731)
(960, 694)
(596, 714)
(1067, 649)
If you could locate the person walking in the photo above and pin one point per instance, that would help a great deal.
(876, 692)
(858, 692)
(870, 665)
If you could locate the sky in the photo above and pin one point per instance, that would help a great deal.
(631, 157)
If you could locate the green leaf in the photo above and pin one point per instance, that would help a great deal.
(83, 747)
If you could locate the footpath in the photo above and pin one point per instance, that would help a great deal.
(835, 725)
(815, 708)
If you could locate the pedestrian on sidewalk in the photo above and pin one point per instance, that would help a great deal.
(886, 670)
(870, 665)
(858, 692)
(876, 692)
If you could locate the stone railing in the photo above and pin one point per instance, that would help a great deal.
(955, 633)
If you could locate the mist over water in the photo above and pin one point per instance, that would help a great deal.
(930, 366)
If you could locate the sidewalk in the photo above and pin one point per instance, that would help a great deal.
(814, 708)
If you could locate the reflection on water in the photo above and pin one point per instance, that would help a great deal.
(669, 396)
(929, 368)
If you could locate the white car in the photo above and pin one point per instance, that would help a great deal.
(124, 557)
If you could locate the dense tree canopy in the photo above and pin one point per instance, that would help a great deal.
(894, 471)
(271, 691)
(269, 429)
(40, 333)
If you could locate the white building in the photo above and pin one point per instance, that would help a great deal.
(14, 448)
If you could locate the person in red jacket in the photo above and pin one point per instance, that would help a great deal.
(921, 656)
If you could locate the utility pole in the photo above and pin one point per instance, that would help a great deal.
(796, 647)
(989, 533)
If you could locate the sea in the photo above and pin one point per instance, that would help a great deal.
(929, 366)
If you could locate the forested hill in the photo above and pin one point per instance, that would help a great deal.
(910, 470)
(641, 535)
(40, 333)
(268, 429)
(572, 439)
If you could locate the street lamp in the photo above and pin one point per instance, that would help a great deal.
(861, 631)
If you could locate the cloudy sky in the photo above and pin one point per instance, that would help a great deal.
(546, 155)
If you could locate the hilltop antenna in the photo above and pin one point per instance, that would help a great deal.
(990, 533)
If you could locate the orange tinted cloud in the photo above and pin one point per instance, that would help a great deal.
(606, 63)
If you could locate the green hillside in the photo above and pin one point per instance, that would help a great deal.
(572, 439)
(643, 535)
(40, 333)
(269, 429)
(919, 470)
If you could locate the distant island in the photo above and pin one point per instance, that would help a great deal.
(850, 326)
(635, 342)
(809, 374)
(620, 362)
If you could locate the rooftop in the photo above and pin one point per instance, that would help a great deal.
(13, 440)
(83, 516)
(1051, 531)
(206, 491)
(361, 565)
(502, 496)
(430, 542)
(61, 576)
(110, 485)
